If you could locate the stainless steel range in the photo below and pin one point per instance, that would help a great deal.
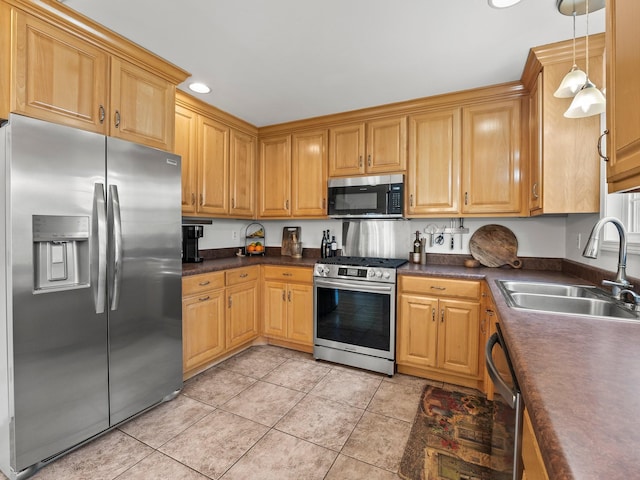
(354, 304)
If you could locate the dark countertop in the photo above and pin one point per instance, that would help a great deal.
(579, 376)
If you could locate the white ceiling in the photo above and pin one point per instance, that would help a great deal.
(273, 61)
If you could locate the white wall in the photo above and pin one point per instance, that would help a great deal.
(537, 237)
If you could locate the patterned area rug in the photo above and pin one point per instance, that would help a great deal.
(458, 436)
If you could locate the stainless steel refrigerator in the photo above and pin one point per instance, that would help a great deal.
(90, 294)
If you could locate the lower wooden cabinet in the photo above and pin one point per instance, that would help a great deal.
(439, 330)
(288, 304)
(534, 468)
(219, 313)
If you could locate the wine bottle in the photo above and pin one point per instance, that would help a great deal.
(416, 243)
(323, 244)
(334, 246)
(327, 250)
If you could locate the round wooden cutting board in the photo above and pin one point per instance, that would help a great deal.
(495, 246)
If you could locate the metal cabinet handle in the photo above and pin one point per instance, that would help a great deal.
(201, 200)
(534, 190)
(466, 198)
(433, 315)
(193, 199)
(369, 160)
(289, 295)
(438, 288)
(604, 157)
(324, 203)
(360, 161)
(230, 302)
(244, 275)
(411, 200)
(203, 298)
(233, 203)
(284, 296)
(286, 204)
(442, 316)
(206, 282)
(287, 274)
(101, 114)
(117, 119)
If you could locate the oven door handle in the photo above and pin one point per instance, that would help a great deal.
(503, 389)
(360, 287)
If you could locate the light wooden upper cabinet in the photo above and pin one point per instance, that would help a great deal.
(186, 146)
(142, 106)
(561, 147)
(275, 176)
(623, 114)
(309, 174)
(492, 167)
(57, 76)
(374, 147)
(68, 70)
(293, 175)
(218, 162)
(242, 173)
(213, 167)
(433, 177)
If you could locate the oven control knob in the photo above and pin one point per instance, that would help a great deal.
(386, 275)
(322, 270)
(371, 273)
(378, 274)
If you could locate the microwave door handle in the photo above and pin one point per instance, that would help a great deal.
(501, 386)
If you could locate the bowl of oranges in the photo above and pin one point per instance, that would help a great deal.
(255, 248)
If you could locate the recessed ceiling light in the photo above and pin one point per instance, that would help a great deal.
(502, 3)
(199, 87)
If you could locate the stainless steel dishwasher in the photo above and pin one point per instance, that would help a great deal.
(509, 399)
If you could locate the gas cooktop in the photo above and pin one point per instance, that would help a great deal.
(364, 262)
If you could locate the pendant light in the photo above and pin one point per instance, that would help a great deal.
(502, 3)
(589, 100)
(576, 78)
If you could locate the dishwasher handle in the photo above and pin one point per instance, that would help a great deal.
(508, 393)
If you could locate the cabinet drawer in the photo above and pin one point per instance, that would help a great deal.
(444, 287)
(288, 274)
(241, 275)
(200, 283)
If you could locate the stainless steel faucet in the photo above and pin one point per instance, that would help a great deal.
(593, 246)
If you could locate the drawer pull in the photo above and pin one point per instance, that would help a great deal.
(442, 316)
(204, 298)
(287, 274)
(433, 315)
(284, 296)
(206, 282)
(244, 275)
(289, 295)
(438, 288)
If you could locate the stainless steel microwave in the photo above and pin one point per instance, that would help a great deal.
(366, 197)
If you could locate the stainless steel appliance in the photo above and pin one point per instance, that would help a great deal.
(366, 197)
(90, 326)
(354, 305)
(508, 402)
(190, 236)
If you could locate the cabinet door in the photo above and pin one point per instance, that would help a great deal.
(275, 176)
(202, 328)
(458, 336)
(346, 150)
(275, 309)
(623, 114)
(58, 77)
(387, 145)
(142, 106)
(300, 313)
(417, 330)
(213, 167)
(535, 148)
(242, 173)
(242, 313)
(434, 162)
(491, 167)
(186, 146)
(309, 174)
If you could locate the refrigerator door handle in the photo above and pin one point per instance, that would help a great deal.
(99, 252)
(117, 246)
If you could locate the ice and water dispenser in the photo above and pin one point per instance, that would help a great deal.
(61, 254)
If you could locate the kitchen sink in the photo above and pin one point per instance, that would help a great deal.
(565, 299)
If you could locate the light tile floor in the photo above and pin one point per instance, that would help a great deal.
(267, 413)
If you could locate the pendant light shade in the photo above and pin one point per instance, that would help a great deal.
(576, 78)
(502, 3)
(588, 101)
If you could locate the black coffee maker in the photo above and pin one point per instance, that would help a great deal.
(190, 236)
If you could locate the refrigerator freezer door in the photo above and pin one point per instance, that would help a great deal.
(145, 274)
(59, 342)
